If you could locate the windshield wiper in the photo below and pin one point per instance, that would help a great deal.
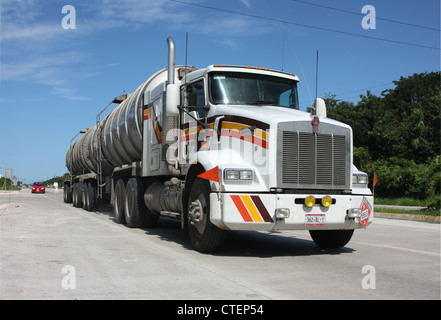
(261, 103)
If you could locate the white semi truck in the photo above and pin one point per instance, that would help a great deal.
(221, 148)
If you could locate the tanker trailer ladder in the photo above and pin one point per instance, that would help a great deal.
(100, 158)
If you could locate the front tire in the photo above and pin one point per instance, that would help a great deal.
(204, 235)
(331, 239)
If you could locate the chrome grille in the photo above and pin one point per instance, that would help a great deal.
(314, 160)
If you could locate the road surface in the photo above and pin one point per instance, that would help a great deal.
(51, 250)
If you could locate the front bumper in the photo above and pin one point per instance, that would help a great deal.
(239, 211)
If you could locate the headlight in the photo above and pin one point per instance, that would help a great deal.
(238, 174)
(360, 179)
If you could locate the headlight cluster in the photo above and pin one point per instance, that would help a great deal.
(238, 174)
(360, 180)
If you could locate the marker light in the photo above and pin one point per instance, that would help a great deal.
(282, 213)
(309, 201)
(354, 213)
(326, 201)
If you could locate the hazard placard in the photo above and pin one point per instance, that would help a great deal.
(366, 211)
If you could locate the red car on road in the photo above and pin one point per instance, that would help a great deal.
(38, 187)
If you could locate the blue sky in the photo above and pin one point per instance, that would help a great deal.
(54, 81)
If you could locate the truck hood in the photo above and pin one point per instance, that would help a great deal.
(271, 115)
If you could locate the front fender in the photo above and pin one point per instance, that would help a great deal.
(229, 158)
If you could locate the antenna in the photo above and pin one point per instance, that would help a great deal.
(186, 49)
(316, 74)
(283, 48)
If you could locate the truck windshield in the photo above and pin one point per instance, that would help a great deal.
(253, 89)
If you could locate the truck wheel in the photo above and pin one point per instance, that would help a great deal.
(331, 239)
(118, 201)
(204, 235)
(78, 194)
(67, 193)
(85, 192)
(91, 197)
(134, 209)
(74, 195)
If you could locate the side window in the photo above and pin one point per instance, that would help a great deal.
(196, 97)
(157, 109)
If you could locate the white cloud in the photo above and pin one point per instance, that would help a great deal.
(247, 3)
(29, 33)
(35, 47)
(135, 13)
(164, 14)
(227, 25)
(38, 68)
(228, 43)
(54, 70)
(68, 93)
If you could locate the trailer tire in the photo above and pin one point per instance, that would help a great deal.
(90, 195)
(204, 235)
(331, 239)
(84, 192)
(118, 201)
(134, 209)
(74, 195)
(78, 194)
(67, 193)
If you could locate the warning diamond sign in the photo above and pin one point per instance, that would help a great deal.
(365, 212)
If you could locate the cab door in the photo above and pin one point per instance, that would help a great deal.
(194, 100)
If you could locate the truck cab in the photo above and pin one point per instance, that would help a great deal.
(277, 167)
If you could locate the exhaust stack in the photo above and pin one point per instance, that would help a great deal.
(171, 61)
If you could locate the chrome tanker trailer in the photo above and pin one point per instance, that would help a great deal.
(221, 148)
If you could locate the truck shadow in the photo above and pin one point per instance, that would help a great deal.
(240, 243)
(246, 243)
(272, 244)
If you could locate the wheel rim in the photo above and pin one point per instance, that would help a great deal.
(196, 213)
(117, 204)
(129, 203)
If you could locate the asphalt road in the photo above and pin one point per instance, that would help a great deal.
(51, 250)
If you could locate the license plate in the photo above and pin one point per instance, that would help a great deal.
(314, 219)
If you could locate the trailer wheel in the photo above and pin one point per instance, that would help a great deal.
(85, 192)
(118, 202)
(67, 193)
(90, 195)
(331, 239)
(134, 209)
(78, 194)
(204, 235)
(74, 195)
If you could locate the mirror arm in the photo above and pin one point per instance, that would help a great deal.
(204, 125)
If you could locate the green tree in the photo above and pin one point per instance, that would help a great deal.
(397, 135)
(410, 126)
